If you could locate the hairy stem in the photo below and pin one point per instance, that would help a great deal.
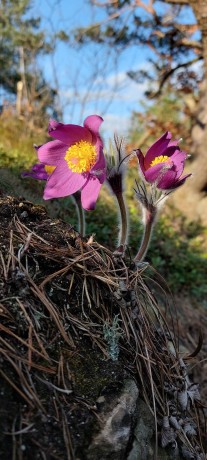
(149, 220)
(124, 221)
(80, 212)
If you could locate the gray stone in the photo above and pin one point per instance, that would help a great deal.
(116, 418)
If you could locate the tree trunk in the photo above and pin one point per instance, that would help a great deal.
(192, 197)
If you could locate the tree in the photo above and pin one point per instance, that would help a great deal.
(176, 32)
(22, 42)
(176, 44)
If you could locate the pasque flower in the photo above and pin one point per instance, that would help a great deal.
(163, 163)
(77, 155)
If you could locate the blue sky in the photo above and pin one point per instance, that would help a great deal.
(91, 79)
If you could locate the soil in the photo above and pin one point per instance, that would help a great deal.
(55, 361)
(50, 375)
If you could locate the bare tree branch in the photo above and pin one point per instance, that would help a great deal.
(149, 8)
(171, 72)
(177, 2)
(191, 44)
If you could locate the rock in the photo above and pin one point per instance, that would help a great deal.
(116, 419)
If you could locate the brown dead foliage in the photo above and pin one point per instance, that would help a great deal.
(59, 293)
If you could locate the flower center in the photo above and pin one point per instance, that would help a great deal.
(160, 159)
(49, 169)
(81, 156)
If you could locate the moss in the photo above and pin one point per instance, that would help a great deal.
(91, 373)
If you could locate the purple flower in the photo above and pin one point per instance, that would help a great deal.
(77, 155)
(163, 163)
(39, 171)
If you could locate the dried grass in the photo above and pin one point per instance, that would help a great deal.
(108, 286)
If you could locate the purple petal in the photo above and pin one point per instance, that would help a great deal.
(157, 172)
(140, 157)
(157, 149)
(99, 168)
(63, 182)
(173, 143)
(38, 167)
(52, 153)
(171, 150)
(68, 134)
(178, 159)
(168, 180)
(37, 172)
(53, 124)
(90, 193)
(98, 143)
(181, 181)
(93, 123)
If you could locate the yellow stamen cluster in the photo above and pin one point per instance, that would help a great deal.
(81, 156)
(160, 159)
(49, 169)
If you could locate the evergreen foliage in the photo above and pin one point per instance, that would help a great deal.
(23, 41)
(18, 30)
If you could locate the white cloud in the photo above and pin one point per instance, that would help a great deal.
(113, 123)
(114, 98)
(117, 87)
